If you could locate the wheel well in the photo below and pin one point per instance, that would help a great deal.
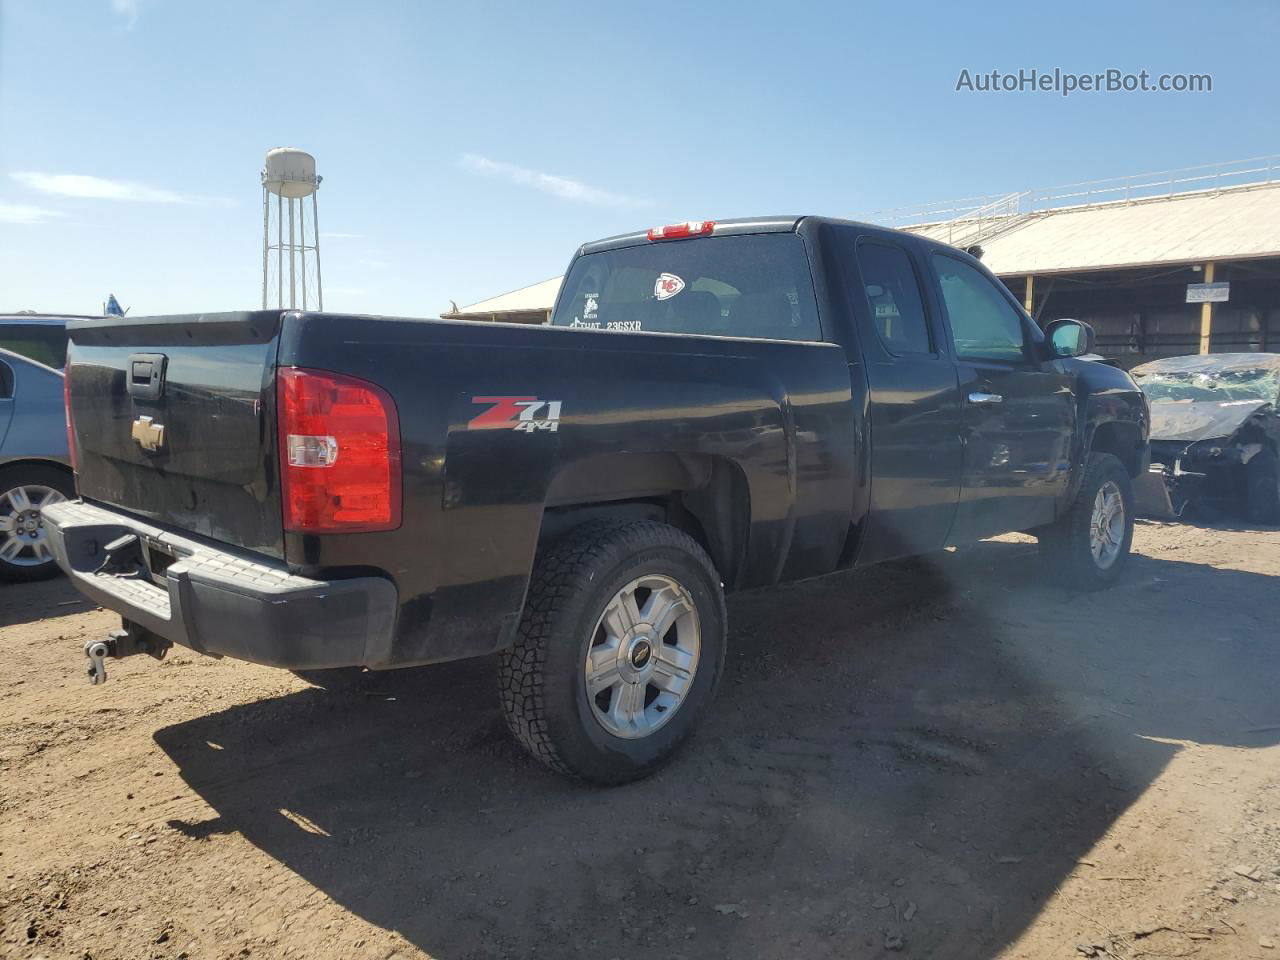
(1254, 431)
(11, 465)
(1122, 440)
(710, 504)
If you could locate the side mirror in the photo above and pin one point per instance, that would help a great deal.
(1070, 338)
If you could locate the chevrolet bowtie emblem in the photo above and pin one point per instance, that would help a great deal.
(148, 434)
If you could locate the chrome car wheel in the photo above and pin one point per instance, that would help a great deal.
(643, 656)
(1107, 526)
(23, 541)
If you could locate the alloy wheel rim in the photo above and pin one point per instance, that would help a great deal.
(1106, 526)
(643, 657)
(23, 541)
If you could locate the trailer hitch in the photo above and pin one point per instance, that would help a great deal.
(131, 640)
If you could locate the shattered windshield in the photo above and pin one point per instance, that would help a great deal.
(1212, 385)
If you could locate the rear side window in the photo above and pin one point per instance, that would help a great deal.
(756, 285)
(45, 344)
(893, 295)
(984, 324)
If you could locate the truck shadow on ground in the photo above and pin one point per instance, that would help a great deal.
(919, 751)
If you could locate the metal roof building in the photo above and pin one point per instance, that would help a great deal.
(1128, 255)
(526, 305)
(1233, 224)
(1161, 264)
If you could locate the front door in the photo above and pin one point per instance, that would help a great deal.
(1019, 410)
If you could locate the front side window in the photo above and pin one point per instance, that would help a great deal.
(755, 285)
(984, 324)
(893, 295)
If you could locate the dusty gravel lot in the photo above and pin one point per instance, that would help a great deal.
(949, 759)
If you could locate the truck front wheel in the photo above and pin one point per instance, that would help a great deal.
(619, 650)
(1089, 544)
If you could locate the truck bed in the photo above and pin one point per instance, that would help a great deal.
(636, 416)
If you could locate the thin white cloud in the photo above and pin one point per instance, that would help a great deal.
(566, 188)
(24, 213)
(83, 186)
(372, 263)
(127, 9)
(341, 236)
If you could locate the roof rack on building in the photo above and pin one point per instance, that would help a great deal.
(1163, 184)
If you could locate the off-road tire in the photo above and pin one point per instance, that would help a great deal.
(1262, 480)
(542, 676)
(29, 474)
(1065, 543)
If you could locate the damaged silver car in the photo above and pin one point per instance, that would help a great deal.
(1215, 436)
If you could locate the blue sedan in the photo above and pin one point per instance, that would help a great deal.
(35, 469)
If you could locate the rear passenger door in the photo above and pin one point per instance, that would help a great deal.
(915, 409)
(1019, 409)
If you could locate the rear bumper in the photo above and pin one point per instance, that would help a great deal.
(217, 602)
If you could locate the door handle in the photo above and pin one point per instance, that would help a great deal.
(983, 399)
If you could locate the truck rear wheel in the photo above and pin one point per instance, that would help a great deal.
(619, 651)
(1089, 544)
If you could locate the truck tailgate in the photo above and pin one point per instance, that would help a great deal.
(174, 422)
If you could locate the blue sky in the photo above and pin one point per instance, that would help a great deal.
(467, 148)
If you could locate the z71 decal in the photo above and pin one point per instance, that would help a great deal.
(525, 414)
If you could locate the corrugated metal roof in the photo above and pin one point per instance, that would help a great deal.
(1184, 228)
(539, 296)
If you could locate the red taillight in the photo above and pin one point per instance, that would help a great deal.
(339, 453)
(66, 409)
(679, 231)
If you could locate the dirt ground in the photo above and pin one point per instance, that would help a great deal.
(950, 758)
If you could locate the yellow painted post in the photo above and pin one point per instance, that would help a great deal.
(1206, 312)
(1029, 301)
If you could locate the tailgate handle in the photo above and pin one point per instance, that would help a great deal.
(145, 375)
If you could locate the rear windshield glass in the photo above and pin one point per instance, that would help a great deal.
(756, 285)
(43, 344)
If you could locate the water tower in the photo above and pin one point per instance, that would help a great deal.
(290, 245)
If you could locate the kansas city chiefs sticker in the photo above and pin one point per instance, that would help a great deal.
(522, 414)
(667, 286)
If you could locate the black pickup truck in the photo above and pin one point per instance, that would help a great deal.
(713, 407)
